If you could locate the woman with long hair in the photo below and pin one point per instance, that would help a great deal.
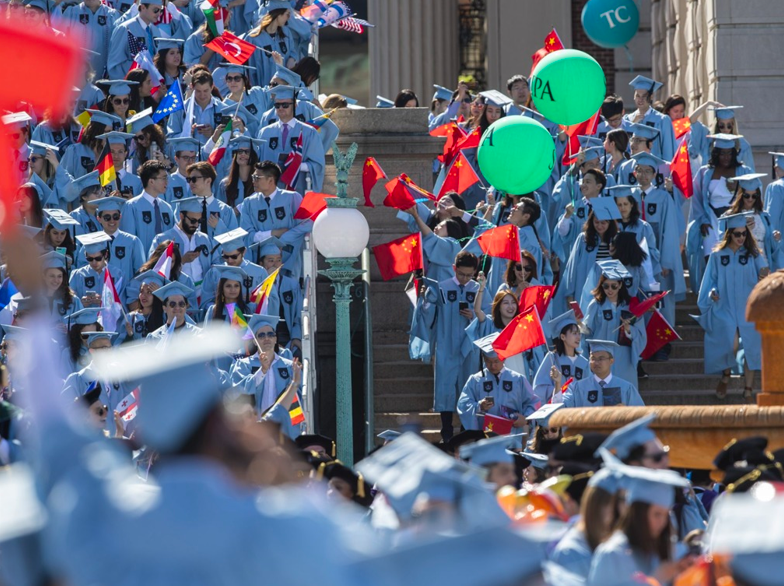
(149, 316)
(54, 131)
(228, 296)
(57, 238)
(168, 61)
(748, 200)
(733, 269)
(238, 184)
(29, 206)
(450, 206)
(62, 300)
(616, 145)
(87, 190)
(118, 99)
(520, 274)
(76, 355)
(608, 317)
(141, 95)
(254, 99)
(271, 36)
(564, 362)
(149, 142)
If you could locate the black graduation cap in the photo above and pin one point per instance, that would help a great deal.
(579, 448)
(336, 469)
(749, 451)
(580, 473)
(92, 394)
(742, 478)
(306, 440)
(465, 437)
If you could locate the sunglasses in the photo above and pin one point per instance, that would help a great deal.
(110, 217)
(118, 101)
(282, 105)
(745, 195)
(102, 410)
(256, 177)
(194, 178)
(739, 234)
(174, 304)
(269, 335)
(242, 151)
(657, 457)
(34, 160)
(526, 268)
(610, 286)
(231, 78)
(94, 258)
(192, 220)
(140, 138)
(155, 10)
(230, 256)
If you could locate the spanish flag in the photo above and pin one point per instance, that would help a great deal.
(105, 167)
(295, 412)
(260, 295)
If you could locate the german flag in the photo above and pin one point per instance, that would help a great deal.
(295, 412)
(105, 167)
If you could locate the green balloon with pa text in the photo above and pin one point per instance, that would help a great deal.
(568, 87)
(516, 154)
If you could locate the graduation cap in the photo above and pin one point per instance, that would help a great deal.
(590, 141)
(232, 240)
(16, 119)
(495, 98)
(40, 148)
(150, 277)
(26, 304)
(578, 448)
(655, 487)
(644, 131)
(260, 320)
(184, 143)
(96, 336)
(613, 269)
(489, 451)
(230, 273)
(83, 183)
(557, 324)
(91, 395)
(14, 332)
(109, 204)
(735, 220)
(617, 191)
(287, 75)
(542, 415)
(246, 142)
(117, 87)
(725, 112)
(742, 452)
(606, 478)
(649, 160)
(465, 437)
(442, 93)
(173, 288)
(191, 205)
(39, 4)
(177, 387)
(629, 437)
(239, 111)
(778, 159)
(60, 219)
(140, 121)
(486, 345)
(270, 5)
(271, 245)
(645, 83)
(84, 317)
(54, 260)
(591, 153)
(306, 441)
(538, 461)
(750, 181)
(384, 102)
(605, 209)
(388, 435)
(236, 68)
(101, 117)
(724, 141)
(94, 242)
(602, 346)
(163, 43)
(283, 92)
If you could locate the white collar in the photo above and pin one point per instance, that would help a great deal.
(271, 195)
(149, 197)
(651, 187)
(455, 281)
(291, 123)
(606, 380)
(209, 199)
(185, 237)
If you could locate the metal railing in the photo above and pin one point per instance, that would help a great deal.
(309, 327)
(370, 408)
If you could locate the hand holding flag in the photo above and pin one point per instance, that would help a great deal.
(164, 264)
(171, 102)
(460, 177)
(261, 294)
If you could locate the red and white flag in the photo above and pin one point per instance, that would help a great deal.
(164, 264)
(111, 307)
(143, 60)
(129, 405)
(292, 164)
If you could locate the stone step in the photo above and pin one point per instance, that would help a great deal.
(684, 350)
(407, 368)
(405, 402)
(390, 353)
(396, 385)
(682, 312)
(395, 421)
(690, 333)
(694, 397)
(675, 365)
(684, 384)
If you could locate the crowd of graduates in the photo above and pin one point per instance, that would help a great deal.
(151, 423)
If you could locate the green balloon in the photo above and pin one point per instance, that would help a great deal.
(516, 154)
(568, 87)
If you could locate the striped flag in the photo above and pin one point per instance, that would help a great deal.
(135, 44)
(143, 60)
(214, 15)
(295, 412)
(319, 121)
(111, 307)
(128, 407)
(164, 264)
(220, 147)
(105, 167)
(261, 294)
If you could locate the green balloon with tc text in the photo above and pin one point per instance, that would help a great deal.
(568, 86)
(516, 154)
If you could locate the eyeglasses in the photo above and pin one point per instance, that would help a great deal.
(191, 220)
(230, 256)
(94, 258)
(194, 178)
(551, 430)
(118, 101)
(256, 177)
(610, 286)
(155, 10)
(282, 105)
(739, 234)
(268, 335)
(657, 457)
(593, 358)
(745, 195)
(110, 217)
(139, 138)
(467, 100)
(34, 160)
(174, 304)
(231, 78)
(242, 151)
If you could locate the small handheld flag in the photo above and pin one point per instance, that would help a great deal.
(105, 167)
(164, 264)
(292, 164)
(216, 156)
(128, 407)
(261, 294)
(295, 412)
(171, 102)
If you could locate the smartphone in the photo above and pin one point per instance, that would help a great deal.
(578, 313)
(463, 305)
(225, 119)
(90, 294)
(61, 250)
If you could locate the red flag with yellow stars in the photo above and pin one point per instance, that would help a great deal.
(680, 168)
(660, 333)
(399, 257)
(498, 425)
(681, 126)
(501, 242)
(371, 173)
(639, 307)
(523, 333)
(552, 42)
(461, 177)
(537, 295)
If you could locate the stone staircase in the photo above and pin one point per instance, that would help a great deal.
(404, 388)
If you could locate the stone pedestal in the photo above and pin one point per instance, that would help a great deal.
(765, 308)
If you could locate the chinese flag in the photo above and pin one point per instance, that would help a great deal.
(399, 257)
(680, 168)
(460, 177)
(454, 134)
(312, 205)
(371, 173)
(587, 128)
(232, 48)
(537, 295)
(501, 242)
(552, 42)
(681, 126)
(416, 191)
(639, 308)
(523, 333)
(496, 424)
(660, 333)
(399, 196)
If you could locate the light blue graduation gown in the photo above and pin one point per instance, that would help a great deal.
(206, 257)
(733, 275)
(526, 363)
(156, 336)
(97, 28)
(58, 312)
(209, 115)
(120, 57)
(602, 321)
(78, 160)
(89, 96)
(256, 274)
(274, 150)
(177, 189)
(127, 254)
(774, 206)
(614, 562)
(573, 553)
(112, 393)
(286, 301)
(138, 218)
(132, 291)
(573, 276)
(510, 390)
(86, 279)
(439, 253)
(280, 370)
(588, 393)
(543, 384)
(639, 283)
(664, 145)
(261, 60)
(194, 49)
(257, 101)
(88, 223)
(563, 244)
(220, 192)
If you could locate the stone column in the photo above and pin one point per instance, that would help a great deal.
(764, 308)
(414, 45)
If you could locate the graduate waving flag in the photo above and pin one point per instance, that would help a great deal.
(501, 242)
(403, 193)
(639, 307)
(261, 294)
(400, 256)
(461, 176)
(371, 173)
(105, 167)
(171, 102)
(521, 334)
(660, 333)
(233, 48)
(216, 156)
(295, 411)
(681, 127)
(538, 296)
(111, 307)
(292, 164)
(213, 13)
(164, 264)
(552, 42)
(680, 168)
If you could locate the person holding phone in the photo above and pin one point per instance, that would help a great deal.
(87, 282)
(603, 388)
(564, 362)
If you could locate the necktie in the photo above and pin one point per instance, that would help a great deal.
(602, 384)
(204, 215)
(285, 135)
(158, 218)
(642, 200)
(119, 183)
(150, 40)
